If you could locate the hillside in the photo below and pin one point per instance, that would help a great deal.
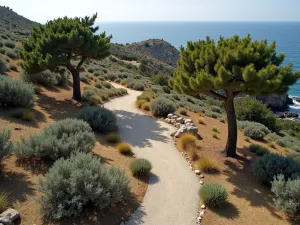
(13, 25)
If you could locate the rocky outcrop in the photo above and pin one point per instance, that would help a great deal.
(276, 102)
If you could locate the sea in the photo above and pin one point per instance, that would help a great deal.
(286, 35)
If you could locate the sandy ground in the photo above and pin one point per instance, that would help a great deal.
(171, 197)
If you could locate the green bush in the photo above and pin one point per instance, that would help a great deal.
(81, 181)
(183, 112)
(84, 79)
(161, 79)
(258, 150)
(211, 114)
(139, 86)
(213, 195)
(250, 109)
(91, 69)
(15, 93)
(166, 89)
(24, 114)
(216, 109)
(112, 77)
(46, 78)
(2, 51)
(11, 54)
(287, 194)
(113, 138)
(100, 119)
(60, 139)
(1, 44)
(107, 85)
(3, 66)
(5, 143)
(140, 167)
(9, 44)
(254, 130)
(162, 107)
(294, 156)
(98, 85)
(270, 165)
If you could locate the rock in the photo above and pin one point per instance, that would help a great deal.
(180, 120)
(202, 213)
(275, 102)
(11, 214)
(201, 182)
(191, 167)
(175, 117)
(197, 172)
(199, 218)
(188, 121)
(202, 176)
(288, 115)
(192, 129)
(203, 207)
(170, 115)
(6, 221)
(178, 125)
(173, 134)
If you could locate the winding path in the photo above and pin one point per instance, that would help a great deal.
(171, 198)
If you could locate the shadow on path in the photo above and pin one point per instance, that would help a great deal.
(140, 129)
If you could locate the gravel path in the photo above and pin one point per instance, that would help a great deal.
(171, 198)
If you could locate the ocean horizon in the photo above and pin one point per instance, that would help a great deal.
(286, 35)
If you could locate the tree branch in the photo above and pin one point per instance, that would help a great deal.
(216, 95)
(83, 58)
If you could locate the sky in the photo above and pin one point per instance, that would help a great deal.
(159, 10)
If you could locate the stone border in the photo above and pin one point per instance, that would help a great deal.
(187, 126)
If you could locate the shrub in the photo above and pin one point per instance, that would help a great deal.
(183, 112)
(294, 156)
(251, 109)
(214, 135)
(5, 144)
(211, 114)
(100, 119)
(215, 130)
(201, 121)
(138, 86)
(46, 78)
(3, 66)
(216, 109)
(146, 106)
(113, 138)
(3, 201)
(186, 141)
(287, 194)
(140, 167)
(124, 148)
(91, 69)
(270, 165)
(222, 120)
(166, 89)
(162, 107)
(213, 195)
(60, 139)
(2, 51)
(208, 166)
(15, 93)
(9, 44)
(107, 85)
(160, 79)
(112, 77)
(254, 130)
(98, 85)
(147, 96)
(84, 79)
(272, 145)
(11, 54)
(258, 150)
(80, 181)
(24, 114)
(139, 103)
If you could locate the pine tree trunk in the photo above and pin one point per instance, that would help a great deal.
(76, 86)
(230, 149)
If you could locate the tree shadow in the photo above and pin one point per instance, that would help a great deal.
(57, 89)
(16, 185)
(6, 114)
(139, 129)
(246, 186)
(228, 210)
(63, 108)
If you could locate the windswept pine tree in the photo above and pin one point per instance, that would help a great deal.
(228, 68)
(64, 42)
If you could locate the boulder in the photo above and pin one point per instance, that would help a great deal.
(6, 221)
(170, 115)
(177, 125)
(180, 120)
(188, 121)
(10, 214)
(192, 129)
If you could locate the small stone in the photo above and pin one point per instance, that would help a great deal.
(189, 162)
(203, 207)
(202, 176)
(191, 167)
(170, 115)
(202, 213)
(188, 121)
(199, 218)
(197, 172)
(201, 182)
(11, 214)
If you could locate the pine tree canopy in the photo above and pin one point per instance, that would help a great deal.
(63, 41)
(234, 64)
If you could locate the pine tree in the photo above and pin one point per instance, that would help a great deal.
(64, 42)
(228, 68)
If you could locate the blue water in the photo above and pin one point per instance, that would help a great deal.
(286, 35)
